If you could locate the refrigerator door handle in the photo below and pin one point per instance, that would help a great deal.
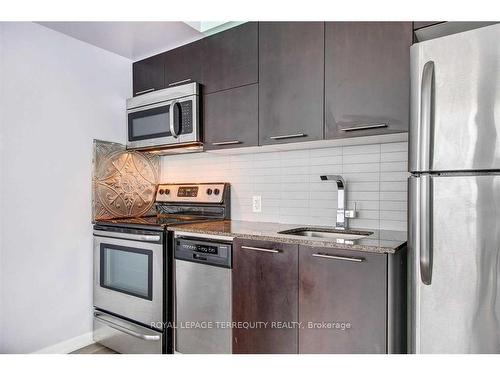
(425, 229)
(426, 117)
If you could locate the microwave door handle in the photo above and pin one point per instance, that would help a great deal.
(171, 113)
(426, 117)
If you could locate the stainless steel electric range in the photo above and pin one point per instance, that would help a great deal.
(133, 258)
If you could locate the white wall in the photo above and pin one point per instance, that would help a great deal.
(290, 187)
(57, 94)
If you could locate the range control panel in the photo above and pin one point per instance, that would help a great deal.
(191, 193)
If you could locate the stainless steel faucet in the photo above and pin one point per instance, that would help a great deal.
(342, 214)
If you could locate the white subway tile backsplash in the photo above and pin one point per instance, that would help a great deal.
(290, 187)
(393, 156)
(394, 186)
(361, 159)
(362, 149)
(364, 223)
(322, 160)
(363, 195)
(325, 152)
(400, 166)
(393, 196)
(393, 225)
(394, 176)
(394, 147)
(394, 206)
(364, 186)
(323, 203)
(325, 169)
(363, 205)
(366, 167)
(368, 176)
(393, 215)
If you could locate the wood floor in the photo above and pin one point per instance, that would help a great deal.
(94, 349)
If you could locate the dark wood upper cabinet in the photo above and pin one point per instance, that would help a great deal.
(231, 118)
(291, 79)
(148, 74)
(367, 78)
(184, 64)
(265, 289)
(351, 290)
(230, 58)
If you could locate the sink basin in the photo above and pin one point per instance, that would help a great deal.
(326, 233)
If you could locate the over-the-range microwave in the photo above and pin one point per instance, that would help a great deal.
(164, 119)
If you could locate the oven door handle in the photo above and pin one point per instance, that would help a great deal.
(128, 331)
(128, 236)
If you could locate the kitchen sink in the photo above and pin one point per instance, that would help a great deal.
(327, 233)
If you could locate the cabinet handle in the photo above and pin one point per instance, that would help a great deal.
(144, 91)
(336, 257)
(181, 81)
(276, 137)
(260, 249)
(364, 127)
(235, 142)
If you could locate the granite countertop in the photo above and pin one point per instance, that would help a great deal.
(380, 241)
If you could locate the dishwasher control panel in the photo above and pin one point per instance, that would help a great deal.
(203, 251)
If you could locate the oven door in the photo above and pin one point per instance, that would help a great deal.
(166, 123)
(128, 277)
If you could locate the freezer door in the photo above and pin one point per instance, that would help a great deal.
(455, 264)
(455, 101)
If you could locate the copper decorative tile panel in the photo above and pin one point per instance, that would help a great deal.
(124, 182)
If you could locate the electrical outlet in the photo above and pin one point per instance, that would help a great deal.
(257, 203)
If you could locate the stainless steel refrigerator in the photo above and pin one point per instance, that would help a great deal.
(454, 193)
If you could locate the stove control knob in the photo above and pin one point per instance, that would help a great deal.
(161, 191)
(209, 191)
(167, 191)
(216, 191)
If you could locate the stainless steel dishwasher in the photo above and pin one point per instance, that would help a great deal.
(202, 295)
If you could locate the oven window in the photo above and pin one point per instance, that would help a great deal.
(150, 123)
(127, 270)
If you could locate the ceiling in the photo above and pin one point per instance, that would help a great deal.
(133, 40)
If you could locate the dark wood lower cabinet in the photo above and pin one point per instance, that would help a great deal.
(342, 301)
(345, 301)
(265, 292)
